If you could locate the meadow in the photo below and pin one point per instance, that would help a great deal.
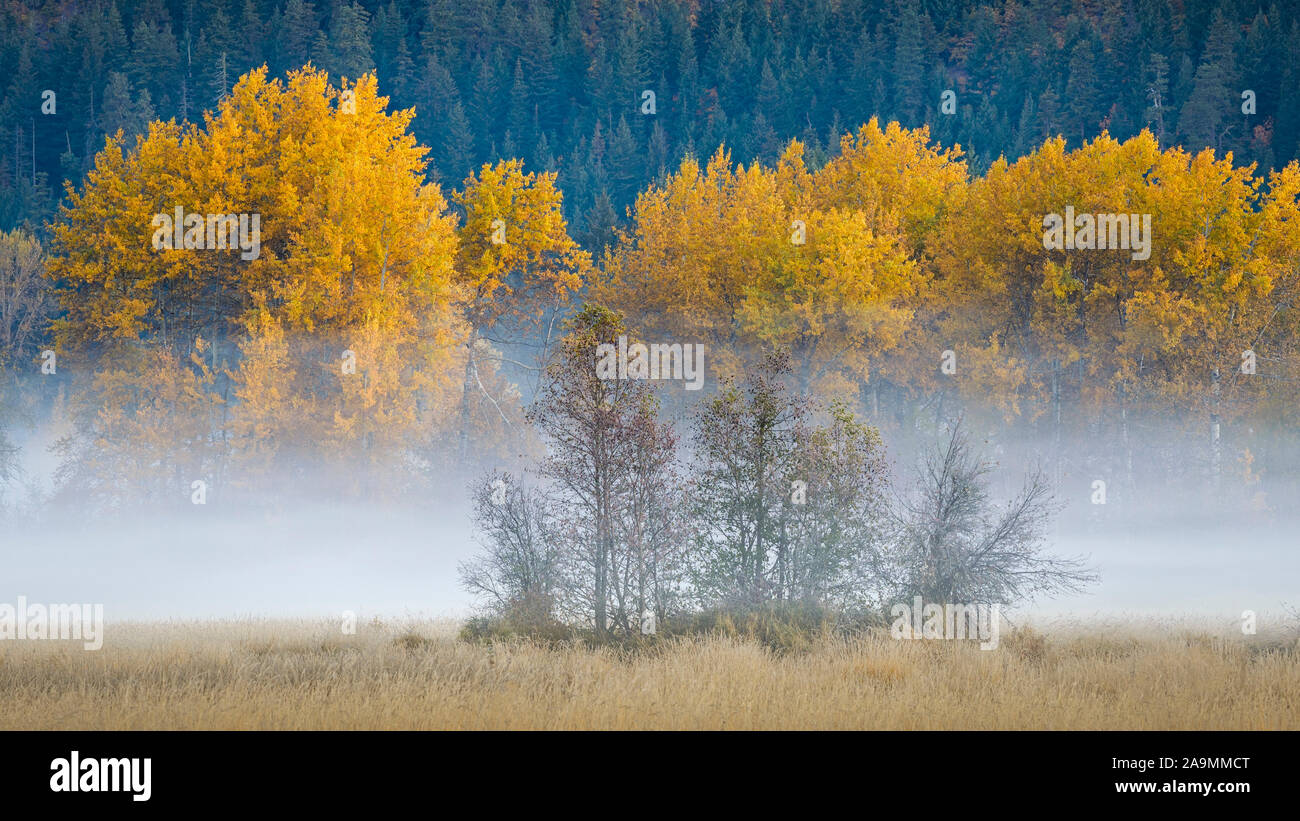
(306, 675)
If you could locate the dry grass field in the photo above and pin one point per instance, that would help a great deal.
(305, 675)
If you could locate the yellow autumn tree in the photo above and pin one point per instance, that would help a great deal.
(835, 287)
(740, 259)
(339, 246)
(150, 434)
(1155, 330)
(680, 271)
(1276, 337)
(896, 176)
(1212, 322)
(904, 184)
(517, 268)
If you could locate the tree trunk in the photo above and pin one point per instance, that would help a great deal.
(470, 377)
(603, 540)
(1125, 442)
(1216, 447)
(1056, 421)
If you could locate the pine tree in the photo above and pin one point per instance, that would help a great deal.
(1082, 94)
(1156, 76)
(119, 111)
(625, 160)
(155, 63)
(349, 43)
(1203, 115)
(484, 105)
(909, 63)
(540, 71)
(519, 114)
(296, 34)
(387, 38)
(458, 154)
(252, 48)
(599, 224)
(771, 101)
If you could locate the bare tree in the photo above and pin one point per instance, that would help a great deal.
(954, 544)
(520, 563)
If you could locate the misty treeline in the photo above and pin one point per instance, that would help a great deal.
(390, 330)
(560, 83)
(776, 500)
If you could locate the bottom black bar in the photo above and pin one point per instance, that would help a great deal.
(145, 771)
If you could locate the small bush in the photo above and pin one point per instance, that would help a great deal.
(782, 627)
(530, 616)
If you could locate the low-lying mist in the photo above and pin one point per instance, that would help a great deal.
(1166, 548)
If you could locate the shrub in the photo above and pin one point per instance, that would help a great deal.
(527, 616)
(782, 627)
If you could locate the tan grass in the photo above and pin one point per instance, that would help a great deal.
(304, 675)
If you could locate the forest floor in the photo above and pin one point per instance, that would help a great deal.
(417, 675)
